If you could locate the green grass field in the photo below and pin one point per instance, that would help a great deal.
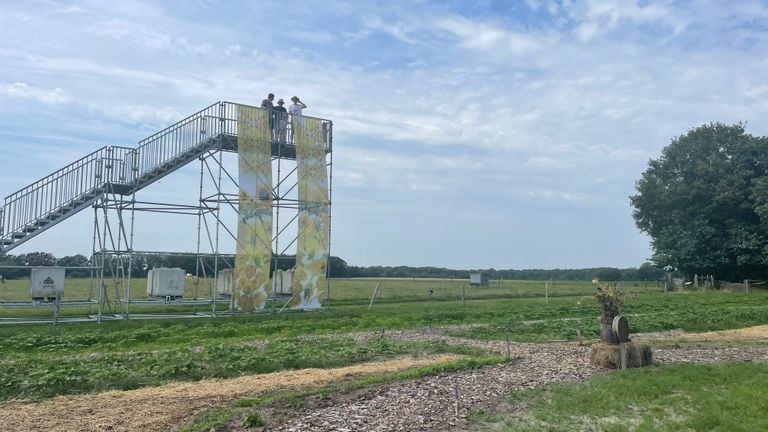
(698, 397)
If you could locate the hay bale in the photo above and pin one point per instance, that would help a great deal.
(607, 355)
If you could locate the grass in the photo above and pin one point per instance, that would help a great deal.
(40, 375)
(669, 398)
(524, 319)
(692, 312)
(209, 420)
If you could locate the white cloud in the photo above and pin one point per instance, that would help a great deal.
(553, 195)
(599, 16)
(545, 162)
(138, 114)
(22, 90)
(490, 38)
(399, 30)
(312, 36)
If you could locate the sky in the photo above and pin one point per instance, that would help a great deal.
(467, 134)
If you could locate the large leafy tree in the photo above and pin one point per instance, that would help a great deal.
(704, 203)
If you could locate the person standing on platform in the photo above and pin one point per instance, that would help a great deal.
(297, 106)
(267, 105)
(295, 110)
(281, 120)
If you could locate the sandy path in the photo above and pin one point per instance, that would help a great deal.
(160, 408)
(749, 334)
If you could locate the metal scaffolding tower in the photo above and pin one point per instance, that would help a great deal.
(109, 179)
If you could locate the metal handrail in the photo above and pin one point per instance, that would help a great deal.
(88, 177)
(66, 186)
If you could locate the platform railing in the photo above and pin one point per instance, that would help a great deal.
(163, 148)
(64, 187)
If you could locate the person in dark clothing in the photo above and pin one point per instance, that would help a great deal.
(267, 103)
(281, 121)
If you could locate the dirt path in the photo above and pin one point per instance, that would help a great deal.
(748, 334)
(160, 408)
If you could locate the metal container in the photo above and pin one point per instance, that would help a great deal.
(282, 282)
(166, 282)
(47, 283)
(225, 282)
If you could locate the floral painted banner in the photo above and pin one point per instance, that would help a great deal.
(254, 228)
(310, 136)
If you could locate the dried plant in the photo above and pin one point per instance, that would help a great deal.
(610, 298)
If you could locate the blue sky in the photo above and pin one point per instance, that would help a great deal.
(504, 134)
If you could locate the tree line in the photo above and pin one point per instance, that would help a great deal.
(338, 268)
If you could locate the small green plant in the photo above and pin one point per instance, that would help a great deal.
(253, 420)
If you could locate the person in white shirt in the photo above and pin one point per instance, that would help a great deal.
(297, 106)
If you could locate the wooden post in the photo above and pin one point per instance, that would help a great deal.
(456, 398)
(375, 294)
(623, 355)
(746, 286)
(506, 339)
(578, 331)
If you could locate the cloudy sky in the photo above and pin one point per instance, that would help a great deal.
(468, 134)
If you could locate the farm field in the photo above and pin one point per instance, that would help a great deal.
(342, 292)
(404, 322)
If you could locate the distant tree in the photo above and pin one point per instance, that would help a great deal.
(704, 203)
(608, 274)
(36, 259)
(75, 261)
(629, 274)
(9, 260)
(648, 271)
(337, 267)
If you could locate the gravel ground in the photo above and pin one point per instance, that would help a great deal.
(429, 404)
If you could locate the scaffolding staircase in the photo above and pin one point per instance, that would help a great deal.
(118, 170)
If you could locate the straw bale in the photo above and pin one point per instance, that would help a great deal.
(607, 355)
